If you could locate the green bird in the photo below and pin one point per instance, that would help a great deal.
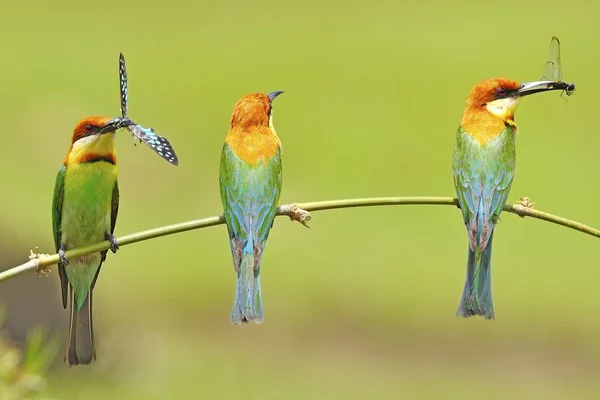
(250, 183)
(483, 169)
(84, 212)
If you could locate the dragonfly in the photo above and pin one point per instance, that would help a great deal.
(148, 136)
(553, 70)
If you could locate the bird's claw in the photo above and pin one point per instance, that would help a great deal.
(114, 246)
(63, 258)
(457, 204)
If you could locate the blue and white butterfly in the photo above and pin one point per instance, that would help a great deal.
(146, 135)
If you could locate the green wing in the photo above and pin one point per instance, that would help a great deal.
(57, 205)
(114, 207)
(483, 175)
(249, 194)
(114, 210)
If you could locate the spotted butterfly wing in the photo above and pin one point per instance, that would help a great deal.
(156, 142)
(123, 89)
(147, 135)
(123, 84)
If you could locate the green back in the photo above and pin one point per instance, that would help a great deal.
(483, 175)
(250, 194)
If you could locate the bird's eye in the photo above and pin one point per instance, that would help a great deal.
(88, 128)
(501, 92)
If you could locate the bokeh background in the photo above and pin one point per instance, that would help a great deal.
(362, 304)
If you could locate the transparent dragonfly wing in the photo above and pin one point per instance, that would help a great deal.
(553, 68)
(549, 71)
(156, 142)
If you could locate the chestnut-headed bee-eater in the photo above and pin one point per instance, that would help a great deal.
(84, 212)
(483, 169)
(250, 183)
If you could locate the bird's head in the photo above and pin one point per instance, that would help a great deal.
(91, 128)
(254, 110)
(93, 135)
(500, 96)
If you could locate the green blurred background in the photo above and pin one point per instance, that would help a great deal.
(363, 304)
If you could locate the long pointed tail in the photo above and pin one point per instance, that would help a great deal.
(477, 294)
(247, 307)
(80, 346)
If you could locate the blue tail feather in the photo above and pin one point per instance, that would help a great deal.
(477, 294)
(247, 307)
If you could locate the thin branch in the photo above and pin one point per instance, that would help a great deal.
(296, 212)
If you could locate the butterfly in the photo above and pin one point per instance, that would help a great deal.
(148, 136)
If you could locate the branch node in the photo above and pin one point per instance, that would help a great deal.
(523, 205)
(41, 271)
(297, 214)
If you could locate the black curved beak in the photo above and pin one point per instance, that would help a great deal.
(274, 94)
(543, 86)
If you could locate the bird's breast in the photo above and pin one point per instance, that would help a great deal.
(87, 203)
(252, 147)
(483, 126)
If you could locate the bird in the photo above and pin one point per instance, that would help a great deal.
(483, 170)
(84, 212)
(250, 184)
